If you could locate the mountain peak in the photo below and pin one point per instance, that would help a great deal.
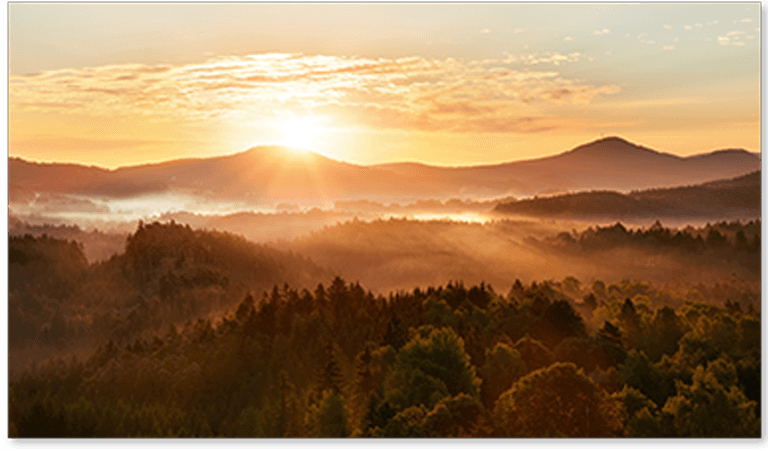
(610, 143)
(614, 146)
(613, 139)
(727, 153)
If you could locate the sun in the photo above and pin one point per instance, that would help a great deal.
(300, 134)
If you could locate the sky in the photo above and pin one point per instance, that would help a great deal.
(448, 84)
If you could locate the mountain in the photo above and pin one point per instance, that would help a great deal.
(273, 172)
(737, 197)
(610, 164)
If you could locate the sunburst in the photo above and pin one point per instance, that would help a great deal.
(301, 133)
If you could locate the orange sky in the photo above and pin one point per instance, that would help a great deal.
(123, 84)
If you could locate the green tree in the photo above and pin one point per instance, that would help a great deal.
(560, 321)
(712, 405)
(432, 365)
(640, 414)
(331, 377)
(328, 418)
(453, 417)
(534, 353)
(557, 401)
(503, 366)
(639, 372)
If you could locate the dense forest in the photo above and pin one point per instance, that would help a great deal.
(191, 333)
(734, 243)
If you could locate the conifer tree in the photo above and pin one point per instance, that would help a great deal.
(331, 377)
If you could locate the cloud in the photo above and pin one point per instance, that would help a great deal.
(555, 58)
(485, 31)
(714, 22)
(698, 25)
(519, 30)
(651, 42)
(668, 47)
(668, 27)
(746, 20)
(603, 31)
(568, 38)
(411, 93)
(731, 38)
(688, 27)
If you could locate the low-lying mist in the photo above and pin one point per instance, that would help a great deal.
(391, 246)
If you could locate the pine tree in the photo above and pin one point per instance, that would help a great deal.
(331, 378)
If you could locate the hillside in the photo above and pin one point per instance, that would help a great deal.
(737, 197)
(167, 273)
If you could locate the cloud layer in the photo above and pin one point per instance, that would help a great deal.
(409, 93)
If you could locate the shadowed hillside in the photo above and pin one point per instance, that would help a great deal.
(168, 273)
(739, 197)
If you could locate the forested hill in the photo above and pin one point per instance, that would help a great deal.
(718, 199)
(169, 273)
(97, 245)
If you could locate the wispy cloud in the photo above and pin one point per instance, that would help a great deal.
(532, 59)
(731, 38)
(746, 20)
(568, 38)
(714, 22)
(688, 27)
(668, 47)
(485, 31)
(603, 31)
(668, 27)
(411, 93)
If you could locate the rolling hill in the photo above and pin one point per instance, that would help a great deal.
(272, 172)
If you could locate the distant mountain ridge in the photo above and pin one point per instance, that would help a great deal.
(272, 172)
